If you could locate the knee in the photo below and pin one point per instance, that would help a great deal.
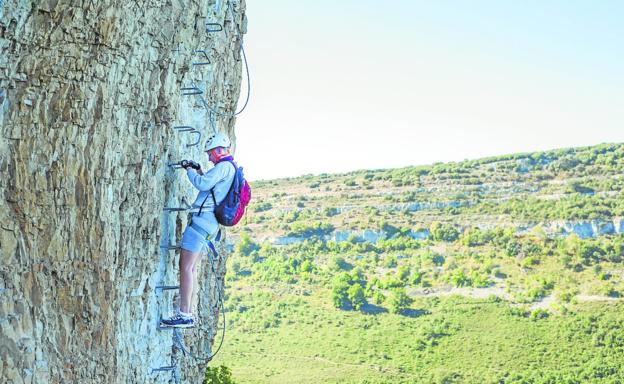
(186, 263)
(186, 268)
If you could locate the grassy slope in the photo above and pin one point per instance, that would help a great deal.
(283, 327)
(476, 342)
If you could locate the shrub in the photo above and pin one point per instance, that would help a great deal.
(578, 188)
(378, 297)
(263, 206)
(399, 300)
(432, 257)
(356, 296)
(539, 314)
(479, 280)
(218, 375)
(444, 232)
(390, 262)
(299, 229)
(403, 273)
(246, 245)
(459, 278)
(530, 261)
(330, 211)
(475, 236)
(338, 263)
(306, 266)
(416, 277)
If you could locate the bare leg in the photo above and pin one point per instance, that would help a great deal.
(195, 285)
(187, 263)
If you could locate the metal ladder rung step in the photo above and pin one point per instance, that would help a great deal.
(167, 287)
(188, 91)
(168, 368)
(175, 209)
(214, 27)
(206, 59)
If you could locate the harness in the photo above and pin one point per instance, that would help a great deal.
(206, 235)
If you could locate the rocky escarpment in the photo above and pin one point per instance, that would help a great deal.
(584, 229)
(90, 95)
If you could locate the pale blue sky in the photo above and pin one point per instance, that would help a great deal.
(345, 85)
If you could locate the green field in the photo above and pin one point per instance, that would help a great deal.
(292, 336)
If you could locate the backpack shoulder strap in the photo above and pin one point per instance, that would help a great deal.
(204, 202)
(213, 196)
(214, 200)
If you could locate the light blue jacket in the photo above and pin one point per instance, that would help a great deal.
(219, 178)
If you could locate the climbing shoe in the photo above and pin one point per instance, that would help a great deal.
(178, 321)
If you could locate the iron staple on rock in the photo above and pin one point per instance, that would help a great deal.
(167, 287)
(205, 57)
(168, 368)
(188, 128)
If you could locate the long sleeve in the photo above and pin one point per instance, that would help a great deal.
(208, 180)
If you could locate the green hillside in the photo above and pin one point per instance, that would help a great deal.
(498, 270)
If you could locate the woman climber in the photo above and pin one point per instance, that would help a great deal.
(213, 186)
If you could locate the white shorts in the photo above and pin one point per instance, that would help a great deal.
(193, 241)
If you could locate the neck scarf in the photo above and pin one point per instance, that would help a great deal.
(224, 157)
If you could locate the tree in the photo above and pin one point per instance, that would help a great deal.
(246, 245)
(416, 277)
(340, 291)
(403, 273)
(378, 297)
(356, 296)
(399, 300)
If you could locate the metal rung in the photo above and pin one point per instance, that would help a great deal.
(188, 128)
(188, 91)
(186, 206)
(199, 135)
(205, 56)
(214, 27)
(174, 165)
(168, 368)
(184, 128)
(175, 209)
(170, 247)
(167, 287)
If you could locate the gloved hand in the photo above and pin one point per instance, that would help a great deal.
(190, 163)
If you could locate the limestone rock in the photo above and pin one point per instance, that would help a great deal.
(89, 95)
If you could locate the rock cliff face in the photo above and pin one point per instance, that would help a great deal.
(90, 93)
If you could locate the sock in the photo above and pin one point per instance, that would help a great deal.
(185, 315)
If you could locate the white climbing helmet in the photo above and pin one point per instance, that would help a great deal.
(218, 140)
